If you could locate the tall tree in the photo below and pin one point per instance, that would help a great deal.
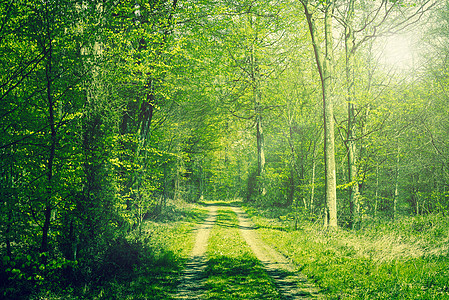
(324, 62)
(368, 21)
(255, 32)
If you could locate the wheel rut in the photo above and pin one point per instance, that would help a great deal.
(190, 286)
(289, 281)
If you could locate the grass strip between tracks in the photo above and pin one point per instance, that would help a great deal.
(233, 272)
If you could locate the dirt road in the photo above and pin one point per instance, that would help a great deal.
(290, 283)
(191, 283)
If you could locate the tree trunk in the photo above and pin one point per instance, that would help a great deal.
(258, 114)
(52, 148)
(8, 196)
(351, 145)
(324, 65)
(8, 234)
(312, 192)
(376, 195)
(291, 180)
(396, 185)
(260, 146)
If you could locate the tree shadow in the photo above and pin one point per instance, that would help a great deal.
(238, 278)
(140, 272)
(223, 203)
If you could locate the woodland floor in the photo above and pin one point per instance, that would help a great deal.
(214, 251)
(289, 282)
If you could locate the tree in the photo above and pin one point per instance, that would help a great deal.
(363, 22)
(324, 63)
(256, 31)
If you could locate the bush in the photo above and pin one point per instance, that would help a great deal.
(26, 273)
(122, 256)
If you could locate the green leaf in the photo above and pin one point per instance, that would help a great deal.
(6, 259)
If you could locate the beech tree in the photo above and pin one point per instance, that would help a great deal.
(324, 63)
(256, 31)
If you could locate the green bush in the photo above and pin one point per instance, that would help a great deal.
(122, 256)
(26, 273)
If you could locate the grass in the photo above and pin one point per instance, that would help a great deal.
(233, 272)
(145, 266)
(405, 259)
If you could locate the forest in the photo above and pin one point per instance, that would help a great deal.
(117, 114)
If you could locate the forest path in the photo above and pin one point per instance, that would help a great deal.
(290, 283)
(190, 286)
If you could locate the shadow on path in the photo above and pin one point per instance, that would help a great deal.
(241, 277)
(191, 285)
(241, 272)
(291, 283)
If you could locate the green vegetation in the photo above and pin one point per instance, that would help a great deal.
(233, 272)
(402, 259)
(110, 111)
(144, 265)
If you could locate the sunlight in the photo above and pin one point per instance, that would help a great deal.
(398, 52)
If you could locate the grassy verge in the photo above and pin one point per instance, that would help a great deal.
(233, 271)
(142, 266)
(405, 259)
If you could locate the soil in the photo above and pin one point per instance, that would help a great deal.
(289, 281)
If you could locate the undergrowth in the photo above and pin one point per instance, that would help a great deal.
(145, 264)
(402, 259)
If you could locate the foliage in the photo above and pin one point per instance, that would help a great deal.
(138, 266)
(110, 110)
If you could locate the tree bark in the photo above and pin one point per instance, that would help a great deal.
(376, 195)
(255, 78)
(324, 65)
(51, 154)
(260, 146)
(396, 185)
(354, 197)
(291, 191)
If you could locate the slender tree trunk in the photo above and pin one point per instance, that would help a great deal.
(324, 65)
(177, 190)
(8, 233)
(258, 113)
(351, 145)
(260, 146)
(396, 185)
(165, 186)
(312, 192)
(8, 195)
(417, 203)
(52, 146)
(376, 196)
(291, 191)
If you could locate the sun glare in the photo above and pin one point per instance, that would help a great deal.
(397, 52)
